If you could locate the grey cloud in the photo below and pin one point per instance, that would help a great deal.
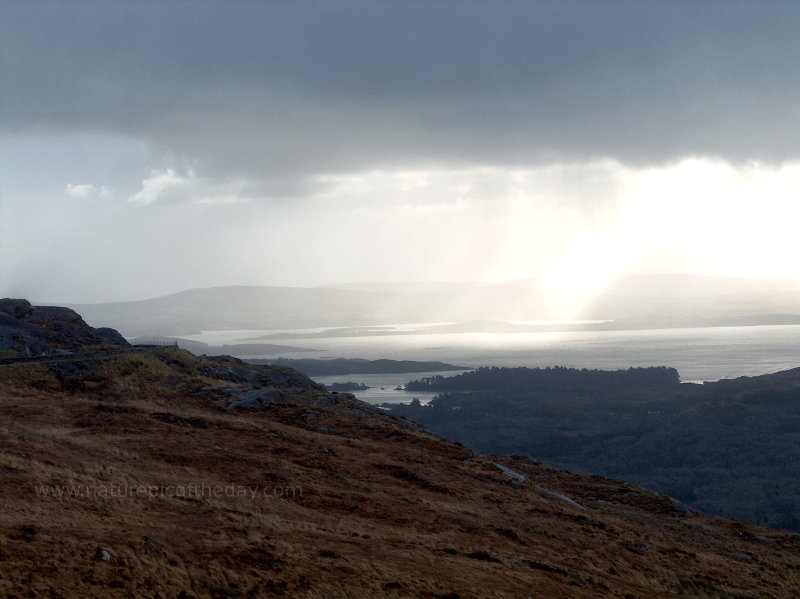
(286, 90)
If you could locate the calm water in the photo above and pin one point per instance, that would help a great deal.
(699, 354)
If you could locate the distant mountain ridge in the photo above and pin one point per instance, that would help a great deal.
(630, 301)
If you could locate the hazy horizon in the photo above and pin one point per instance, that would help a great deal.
(149, 148)
(657, 283)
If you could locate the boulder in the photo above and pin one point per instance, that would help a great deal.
(256, 398)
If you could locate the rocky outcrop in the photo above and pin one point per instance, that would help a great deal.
(30, 331)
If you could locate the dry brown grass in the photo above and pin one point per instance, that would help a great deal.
(338, 502)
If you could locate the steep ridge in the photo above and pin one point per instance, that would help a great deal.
(162, 474)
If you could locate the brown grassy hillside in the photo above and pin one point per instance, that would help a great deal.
(134, 476)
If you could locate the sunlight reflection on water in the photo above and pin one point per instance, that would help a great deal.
(699, 354)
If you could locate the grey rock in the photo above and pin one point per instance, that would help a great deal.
(207, 391)
(30, 331)
(263, 395)
(245, 404)
(325, 401)
(328, 430)
(510, 473)
(18, 308)
(681, 509)
(763, 538)
(109, 336)
(257, 398)
(742, 556)
(237, 371)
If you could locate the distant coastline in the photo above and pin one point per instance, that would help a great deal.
(503, 327)
(340, 366)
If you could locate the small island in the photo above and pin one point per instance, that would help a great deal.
(347, 387)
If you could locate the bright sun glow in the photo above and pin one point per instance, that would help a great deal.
(721, 219)
(576, 227)
(698, 216)
(580, 226)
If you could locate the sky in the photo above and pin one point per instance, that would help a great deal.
(151, 147)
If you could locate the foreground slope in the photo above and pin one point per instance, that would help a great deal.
(161, 474)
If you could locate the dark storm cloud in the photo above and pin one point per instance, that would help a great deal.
(276, 91)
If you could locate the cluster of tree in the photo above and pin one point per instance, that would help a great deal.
(558, 378)
(730, 448)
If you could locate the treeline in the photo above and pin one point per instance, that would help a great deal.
(730, 448)
(558, 378)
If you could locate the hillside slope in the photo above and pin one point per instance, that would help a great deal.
(161, 474)
(730, 447)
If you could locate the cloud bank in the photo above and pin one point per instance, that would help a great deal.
(282, 91)
(150, 147)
